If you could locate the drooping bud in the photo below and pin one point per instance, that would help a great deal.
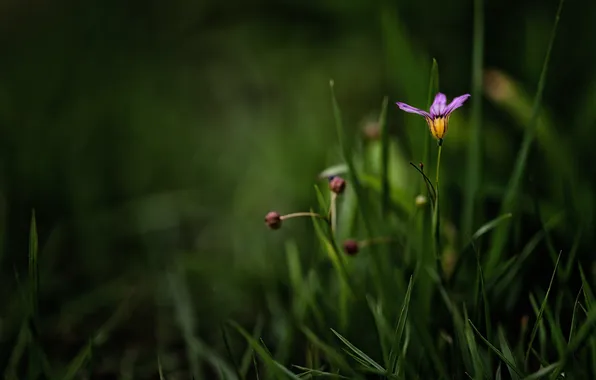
(337, 184)
(351, 247)
(273, 220)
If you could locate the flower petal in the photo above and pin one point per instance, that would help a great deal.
(456, 103)
(410, 109)
(439, 105)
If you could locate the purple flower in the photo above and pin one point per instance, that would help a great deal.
(438, 118)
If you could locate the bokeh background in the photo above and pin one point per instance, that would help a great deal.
(151, 138)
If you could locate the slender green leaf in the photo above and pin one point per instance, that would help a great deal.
(542, 372)
(263, 353)
(541, 312)
(332, 355)
(473, 348)
(490, 225)
(382, 327)
(573, 315)
(317, 373)
(496, 351)
(588, 294)
(508, 354)
(356, 351)
(399, 329)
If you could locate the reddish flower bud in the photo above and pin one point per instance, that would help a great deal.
(337, 185)
(273, 220)
(351, 247)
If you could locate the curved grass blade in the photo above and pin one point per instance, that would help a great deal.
(317, 373)
(496, 351)
(332, 355)
(477, 363)
(263, 353)
(541, 312)
(507, 353)
(542, 372)
(515, 180)
(491, 225)
(364, 359)
(399, 329)
(382, 327)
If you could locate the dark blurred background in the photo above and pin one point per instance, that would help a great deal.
(151, 137)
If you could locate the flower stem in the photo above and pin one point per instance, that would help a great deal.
(333, 213)
(438, 168)
(436, 218)
(300, 214)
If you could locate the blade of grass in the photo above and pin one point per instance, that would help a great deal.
(332, 355)
(263, 353)
(541, 330)
(473, 348)
(501, 237)
(542, 372)
(317, 373)
(475, 144)
(507, 353)
(573, 315)
(588, 295)
(490, 225)
(399, 329)
(249, 353)
(382, 327)
(337, 260)
(496, 351)
(481, 289)
(541, 312)
(366, 360)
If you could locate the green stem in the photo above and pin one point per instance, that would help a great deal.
(333, 214)
(436, 222)
(439, 166)
(301, 214)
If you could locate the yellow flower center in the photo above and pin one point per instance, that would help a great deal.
(438, 126)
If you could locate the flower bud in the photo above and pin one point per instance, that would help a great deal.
(337, 184)
(273, 220)
(421, 201)
(351, 247)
